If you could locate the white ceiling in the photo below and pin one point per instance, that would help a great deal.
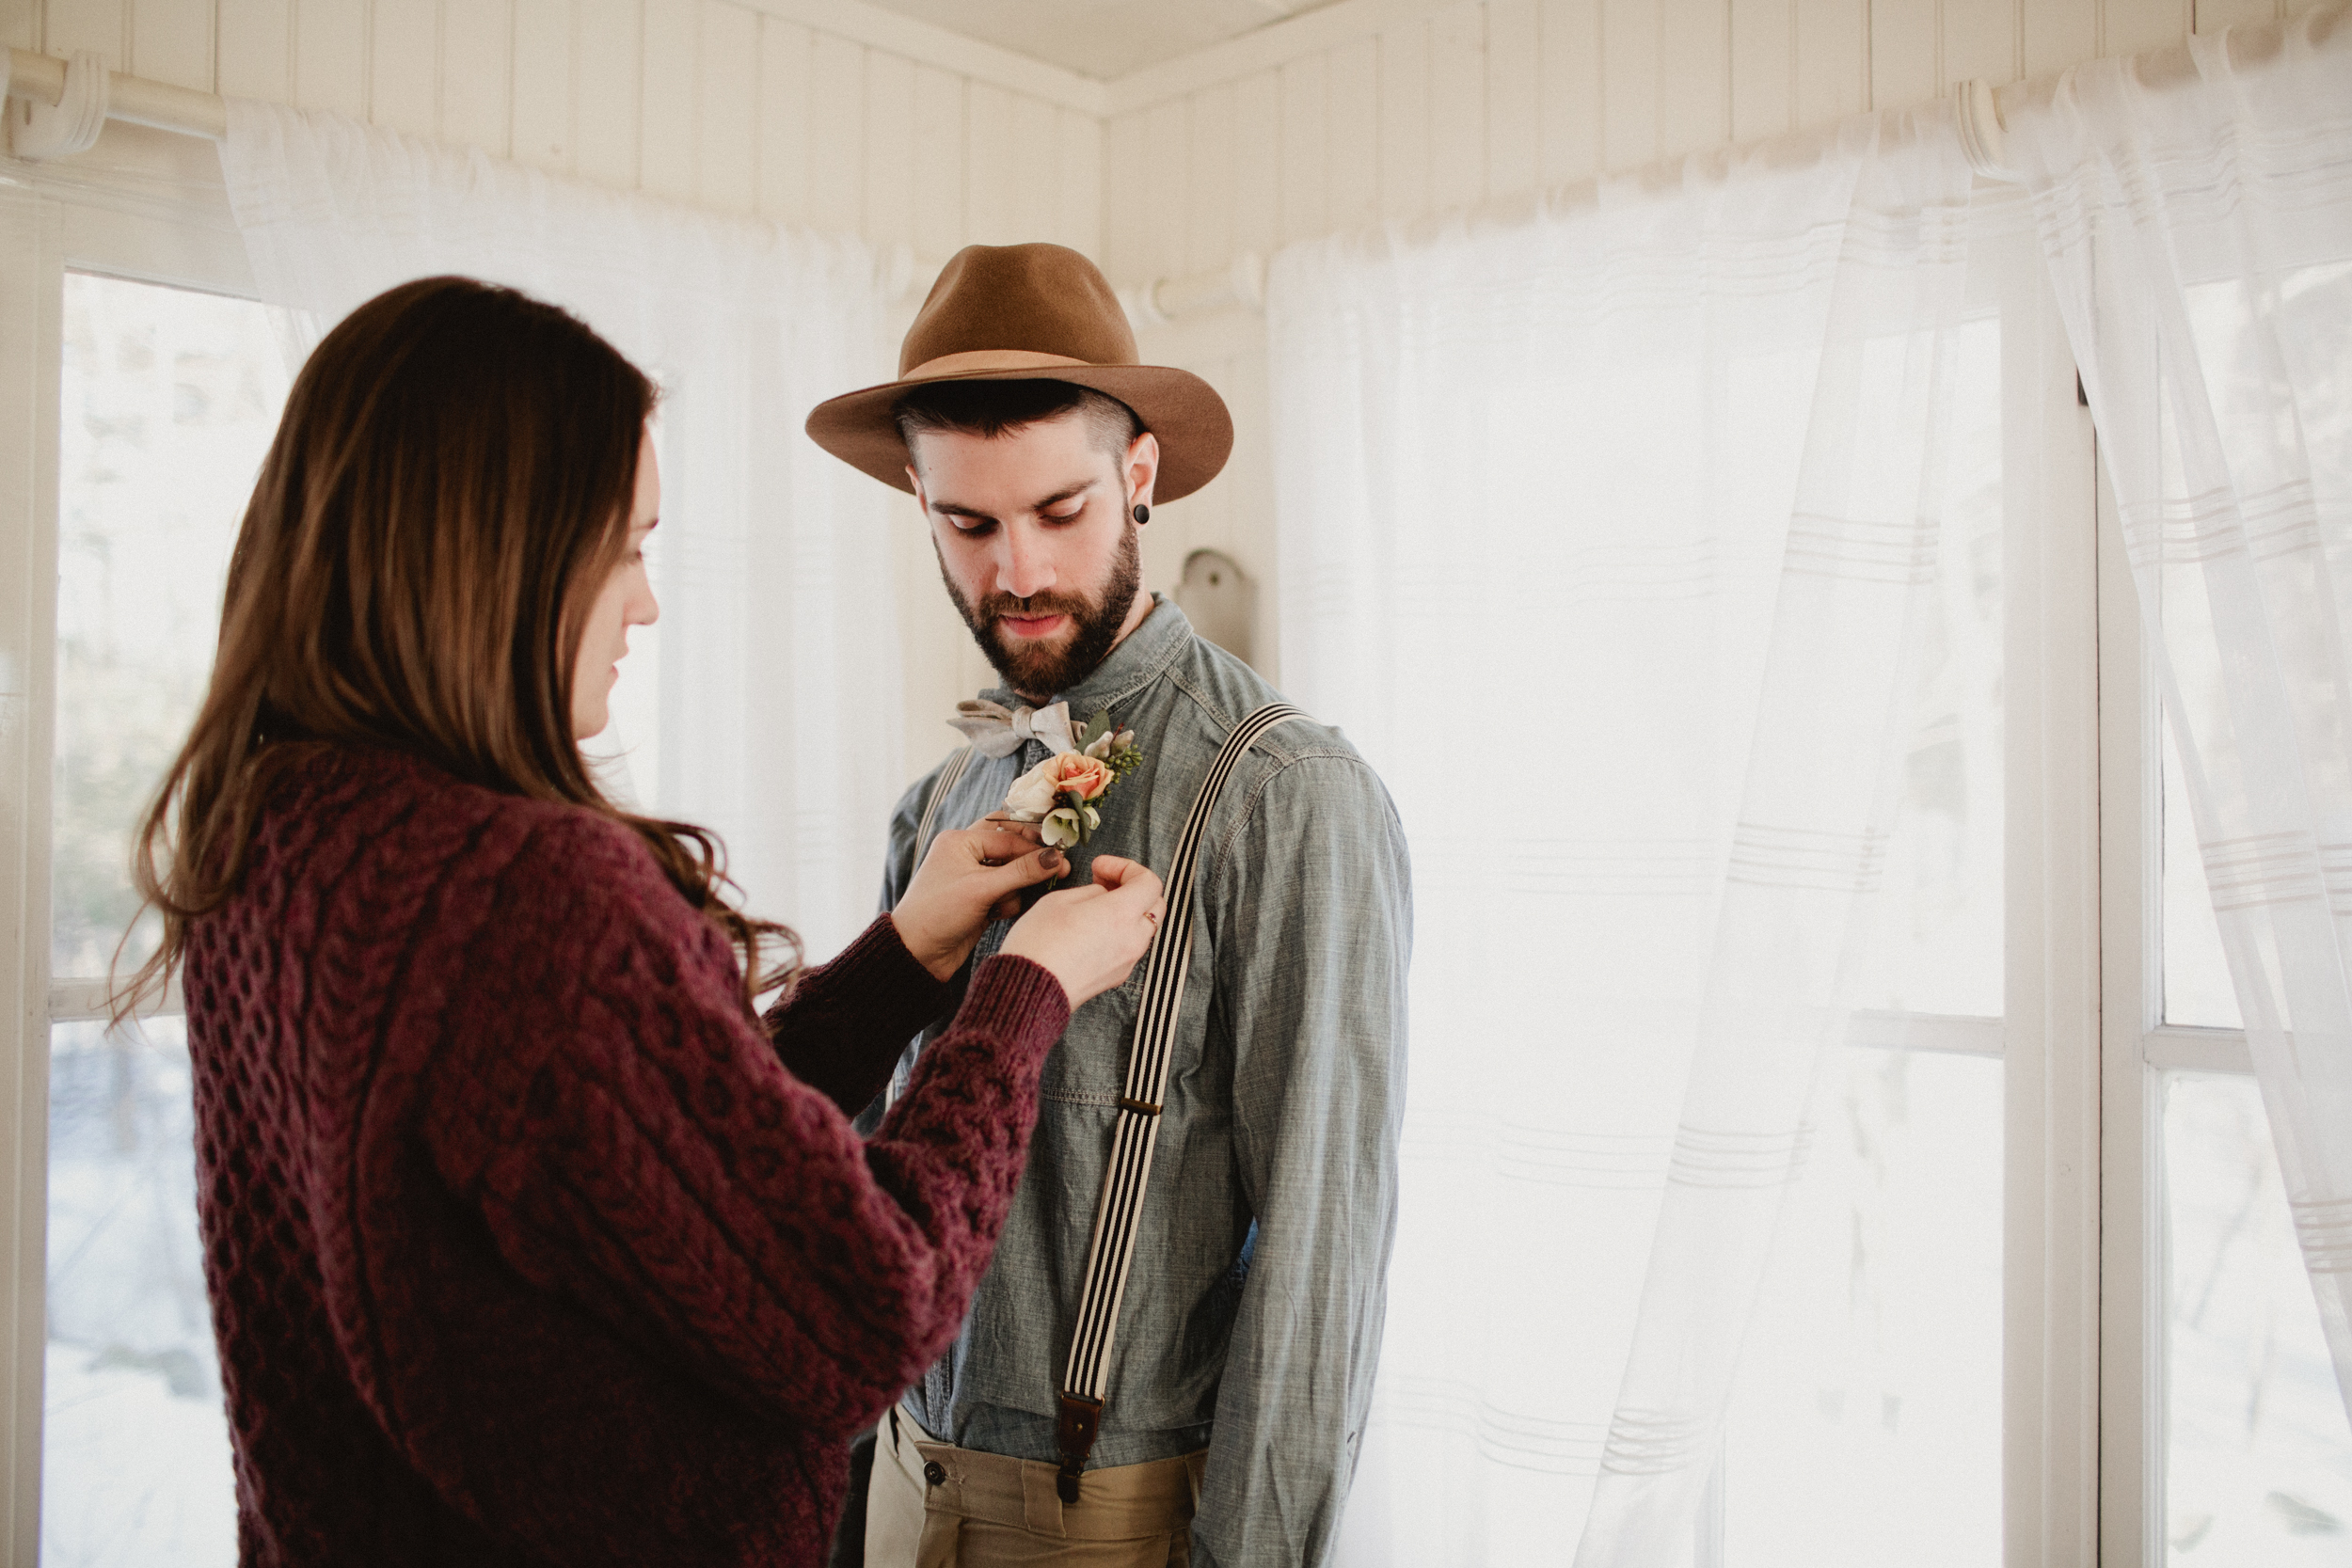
(1101, 39)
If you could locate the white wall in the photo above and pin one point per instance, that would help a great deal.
(928, 138)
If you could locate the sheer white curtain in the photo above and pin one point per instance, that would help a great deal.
(1608, 537)
(2196, 209)
(764, 702)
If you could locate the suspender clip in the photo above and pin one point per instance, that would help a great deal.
(1074, 1432)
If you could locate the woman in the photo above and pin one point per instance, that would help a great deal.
(528, 1241)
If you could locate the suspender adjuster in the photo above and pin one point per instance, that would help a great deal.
(1141, 1107)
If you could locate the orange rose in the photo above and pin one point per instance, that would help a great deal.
(1082, 776)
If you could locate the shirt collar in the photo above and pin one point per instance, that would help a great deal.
(1136, 663)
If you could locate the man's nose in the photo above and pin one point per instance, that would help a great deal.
(1025, 569)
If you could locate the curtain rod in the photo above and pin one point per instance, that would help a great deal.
(66, 101)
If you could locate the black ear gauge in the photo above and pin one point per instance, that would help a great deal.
(1143, 513)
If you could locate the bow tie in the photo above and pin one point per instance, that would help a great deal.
(998, 731)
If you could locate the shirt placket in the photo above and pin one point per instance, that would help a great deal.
(939, 1381)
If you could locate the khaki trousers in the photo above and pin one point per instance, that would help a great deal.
(985, 1510)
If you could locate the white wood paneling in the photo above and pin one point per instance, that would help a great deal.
(1457, 106)
(1079, 143)
(404, 65)
(1568, 129)
(1764, 83)
(1208, 210)
(988, 163)
(254, 39)
(330, 56)
(669, 55)
(1306, 147)
(785, 131)
(1904, 45)
(1695, 81)
(100, 25)
(938, 162)
(1352, 120)
(1374, 111)
(1631, 69)
(605, 91)
(726, 109)
(478, 75)
(888, 151)
(1514, 62)
(1034, 212)
(826, 112)
(1404, 128)
(542, 130)
(172, 41)
(1166, 134)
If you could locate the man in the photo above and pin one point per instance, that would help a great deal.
(1232, 1397)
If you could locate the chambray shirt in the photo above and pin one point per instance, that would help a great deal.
(1253, 1320)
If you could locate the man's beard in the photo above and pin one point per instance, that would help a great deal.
(1036, 670)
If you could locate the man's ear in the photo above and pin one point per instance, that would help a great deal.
(1143, 468)
(921, 499)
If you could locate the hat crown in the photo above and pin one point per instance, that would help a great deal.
(1030, 299)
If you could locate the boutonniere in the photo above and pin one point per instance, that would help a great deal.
(1060, 793)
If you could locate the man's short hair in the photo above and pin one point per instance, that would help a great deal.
(989, 408)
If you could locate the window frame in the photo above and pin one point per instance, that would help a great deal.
(148, 206)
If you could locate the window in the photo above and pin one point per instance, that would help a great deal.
(167, 401)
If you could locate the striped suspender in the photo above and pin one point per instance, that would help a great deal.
(948, 777)
(1112, 1255)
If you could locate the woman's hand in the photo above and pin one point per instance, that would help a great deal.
(1089, 938)
(972, 876)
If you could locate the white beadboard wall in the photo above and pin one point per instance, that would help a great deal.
(1384, 110)
(730, 106)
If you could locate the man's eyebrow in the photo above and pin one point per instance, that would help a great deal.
(955, 509)
(1060, 495)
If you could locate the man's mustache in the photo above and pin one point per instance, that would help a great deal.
(999, 605)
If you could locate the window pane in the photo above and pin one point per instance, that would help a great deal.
(2259, 1456)
(1865, 1429)
(135, 1447)
(168, 400)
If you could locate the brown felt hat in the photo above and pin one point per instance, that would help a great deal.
(1032, 313)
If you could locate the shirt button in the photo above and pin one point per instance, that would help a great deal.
(935, 1473)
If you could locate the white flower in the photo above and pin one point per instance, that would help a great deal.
(1061, 828)
(1109, 741)
(1032, 794)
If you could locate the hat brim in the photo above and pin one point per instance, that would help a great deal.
(1194, 429)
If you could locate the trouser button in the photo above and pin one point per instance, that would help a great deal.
(935, 1474)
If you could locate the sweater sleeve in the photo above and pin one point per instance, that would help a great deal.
(842, 1026)
(631, 1140)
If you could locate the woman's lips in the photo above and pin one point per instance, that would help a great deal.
(1032, 627)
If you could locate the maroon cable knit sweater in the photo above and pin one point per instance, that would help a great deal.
(524, 1244)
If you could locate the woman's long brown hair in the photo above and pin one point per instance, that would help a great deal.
(449, 490)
